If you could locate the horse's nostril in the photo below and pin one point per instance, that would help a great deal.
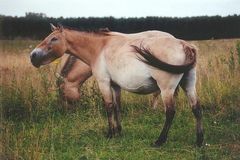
(33, 55)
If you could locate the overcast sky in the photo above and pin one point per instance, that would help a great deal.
(120, 8)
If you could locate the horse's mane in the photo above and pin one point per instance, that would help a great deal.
(100, 31)
(68, 65)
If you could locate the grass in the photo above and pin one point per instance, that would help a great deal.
(35, 126)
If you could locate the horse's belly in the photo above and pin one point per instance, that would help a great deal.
(129, 73)
(145, 87)
(137, 80)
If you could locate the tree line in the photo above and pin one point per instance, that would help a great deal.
(36, 26)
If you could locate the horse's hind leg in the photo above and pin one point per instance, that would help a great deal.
(155, 99)
(169, 103)
(156, 96)
(168, 86)
(188, 84)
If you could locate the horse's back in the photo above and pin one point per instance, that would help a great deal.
(144, 34)
(166, 48)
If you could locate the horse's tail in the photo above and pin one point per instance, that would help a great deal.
(148, 58)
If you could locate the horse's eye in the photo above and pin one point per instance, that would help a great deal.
(54, 39)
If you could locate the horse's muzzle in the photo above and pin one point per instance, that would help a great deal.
(36, 57)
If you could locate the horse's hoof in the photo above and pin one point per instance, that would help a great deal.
(199, 144)
(119, 129)
(111, 133)
(200, 138)
(154, 145)
(109, 136)
(159, 142)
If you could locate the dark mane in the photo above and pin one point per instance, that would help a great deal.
(68, 65)
(100, 31)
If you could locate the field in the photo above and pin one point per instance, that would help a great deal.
(35, 126)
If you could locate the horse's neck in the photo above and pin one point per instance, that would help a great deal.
(85, 46)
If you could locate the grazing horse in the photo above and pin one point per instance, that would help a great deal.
(138, 64)
(71, 75)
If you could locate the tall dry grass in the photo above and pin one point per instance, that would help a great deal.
(218, 75)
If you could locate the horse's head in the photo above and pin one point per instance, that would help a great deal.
(51, 48)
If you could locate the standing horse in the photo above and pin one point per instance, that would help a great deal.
(137, 64)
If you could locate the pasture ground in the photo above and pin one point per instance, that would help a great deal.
(35, 126)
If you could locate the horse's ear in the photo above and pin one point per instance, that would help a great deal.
(53, 28)
(60, 27)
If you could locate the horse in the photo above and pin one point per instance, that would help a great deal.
(137, 64)
(71, 75)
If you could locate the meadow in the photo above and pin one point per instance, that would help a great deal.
(34, 125)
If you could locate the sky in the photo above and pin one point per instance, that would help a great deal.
(120, 8)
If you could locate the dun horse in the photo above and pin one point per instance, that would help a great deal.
(138, 64)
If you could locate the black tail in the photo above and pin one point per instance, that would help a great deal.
(148, 58)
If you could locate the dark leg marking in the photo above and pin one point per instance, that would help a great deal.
(111, 129)
(117, 106)
(197, 111)
(117, 112)
(170, 112)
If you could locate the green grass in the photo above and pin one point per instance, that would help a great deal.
(35, 126)
(58, 135)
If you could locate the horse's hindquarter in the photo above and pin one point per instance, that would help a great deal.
(167, 49)
(119, 62)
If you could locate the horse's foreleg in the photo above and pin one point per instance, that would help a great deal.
(169, 103)
(106, 91)
(117, 103)
(110, 116)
